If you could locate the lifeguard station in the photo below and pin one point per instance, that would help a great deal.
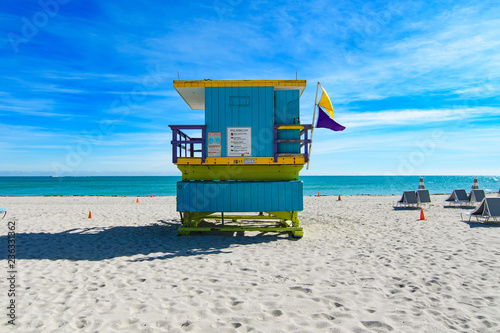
(240, 170)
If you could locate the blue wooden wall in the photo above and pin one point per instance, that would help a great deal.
(286, 111)
(239, 196)
(242, 106)
(256, 107)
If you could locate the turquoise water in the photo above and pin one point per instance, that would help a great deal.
(387, 185)
(161, 186)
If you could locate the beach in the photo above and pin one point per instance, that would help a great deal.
(360, 267)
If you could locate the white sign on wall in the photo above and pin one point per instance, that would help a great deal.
(239, 141)
(214, 145)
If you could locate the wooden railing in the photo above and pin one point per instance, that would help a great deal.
(184, 146)
(304, 130)
(182, 142)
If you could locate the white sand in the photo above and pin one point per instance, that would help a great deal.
(361, 267)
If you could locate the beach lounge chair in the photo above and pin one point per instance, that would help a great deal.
(408, 200)
(458, 198)
(423, 196)
(476, 196)
(4, 211)
(488, 209)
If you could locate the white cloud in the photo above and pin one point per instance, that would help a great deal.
(451, 53)
(414, 117)
(31, 107)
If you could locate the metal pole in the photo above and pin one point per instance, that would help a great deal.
(174, 146)
(312, 129)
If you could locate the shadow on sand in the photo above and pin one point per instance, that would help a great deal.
(155, 241)
(473, 224)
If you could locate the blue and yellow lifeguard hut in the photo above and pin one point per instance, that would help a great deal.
(240, 170)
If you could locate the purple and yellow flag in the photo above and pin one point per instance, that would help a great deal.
(324, 121)
(325, 114)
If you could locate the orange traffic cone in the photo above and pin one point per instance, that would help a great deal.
(137, 200)
(422, 217)
(339, 198)
(90, 214)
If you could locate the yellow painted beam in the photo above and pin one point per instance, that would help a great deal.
(240, 171)
(290, 127)
(221, 228)
(240, 83)
(241, 217)
(241, 160)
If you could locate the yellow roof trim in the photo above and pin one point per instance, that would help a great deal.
(193, 92)
(240, 83)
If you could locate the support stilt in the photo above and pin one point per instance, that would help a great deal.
(284, 222)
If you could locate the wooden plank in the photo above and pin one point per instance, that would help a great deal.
(239, 196)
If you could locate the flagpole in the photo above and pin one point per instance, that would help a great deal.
(312, 128)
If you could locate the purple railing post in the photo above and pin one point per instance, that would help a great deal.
(275, 144)
(183, 146)
(306, 146)
(174, 148)
(203, 138)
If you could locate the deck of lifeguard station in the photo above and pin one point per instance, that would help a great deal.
(244, 159)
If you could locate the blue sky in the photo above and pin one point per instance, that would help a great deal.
(86, 86)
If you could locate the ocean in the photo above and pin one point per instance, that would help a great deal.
(165, 185)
